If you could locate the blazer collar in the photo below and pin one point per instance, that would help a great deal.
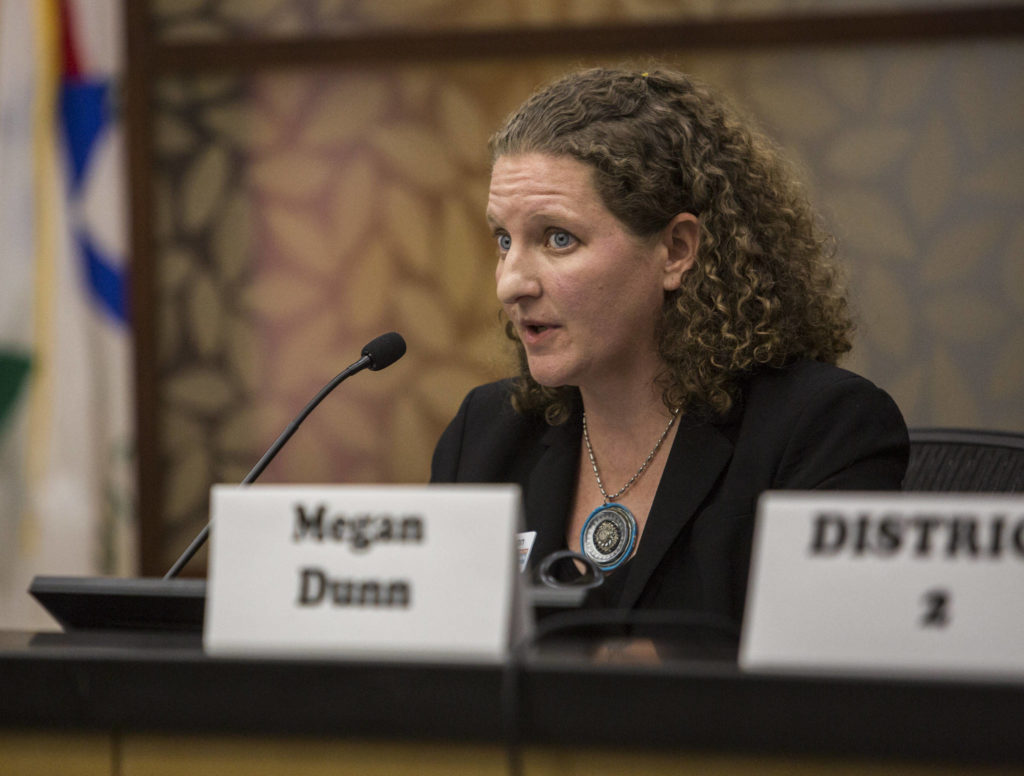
(699, 454)
(551, 484)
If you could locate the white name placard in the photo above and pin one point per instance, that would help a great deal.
(371, 572)
(887, 583)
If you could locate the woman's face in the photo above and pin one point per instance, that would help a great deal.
(582, 291)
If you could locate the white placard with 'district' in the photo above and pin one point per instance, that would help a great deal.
(365, 572)
(887, 584)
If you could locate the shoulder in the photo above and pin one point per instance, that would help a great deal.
(493, 397)
(488, 409)
(818, 418)
(805, 376)
(484, 435)
(805, 387)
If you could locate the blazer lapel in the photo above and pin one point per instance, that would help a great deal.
(698, 456)
(550, 486)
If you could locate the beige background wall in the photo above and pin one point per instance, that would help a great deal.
(300, 213)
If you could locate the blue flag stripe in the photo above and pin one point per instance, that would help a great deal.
(107, 283)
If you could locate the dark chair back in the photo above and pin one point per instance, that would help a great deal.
(965, 460)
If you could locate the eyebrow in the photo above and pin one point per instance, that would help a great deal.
(547, 213)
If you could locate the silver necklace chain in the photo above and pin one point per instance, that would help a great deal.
(641, 470)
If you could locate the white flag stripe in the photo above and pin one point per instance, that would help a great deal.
(71, 461)
(17, 211)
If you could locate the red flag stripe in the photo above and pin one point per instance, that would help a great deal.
(69, 46)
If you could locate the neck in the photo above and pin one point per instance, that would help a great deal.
(624, 412)
(623, 432)
(622, 398)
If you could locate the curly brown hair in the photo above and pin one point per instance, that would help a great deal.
(764, 290)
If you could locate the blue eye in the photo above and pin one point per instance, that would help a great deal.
(560, 239)
(504, 242)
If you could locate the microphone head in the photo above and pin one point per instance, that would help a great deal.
(385, 350)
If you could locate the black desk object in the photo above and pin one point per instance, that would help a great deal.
(178, 605)
(165, 683)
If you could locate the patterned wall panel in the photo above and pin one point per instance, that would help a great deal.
(916, 156)
(368, 203)
(303, 213)
(206, 343)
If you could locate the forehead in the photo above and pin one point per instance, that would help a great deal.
(545, 181)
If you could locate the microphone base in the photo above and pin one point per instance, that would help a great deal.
(177, 605)
(106, 603)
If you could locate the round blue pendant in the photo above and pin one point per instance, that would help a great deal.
(608, 535)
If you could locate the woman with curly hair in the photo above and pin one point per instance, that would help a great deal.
(678, 320)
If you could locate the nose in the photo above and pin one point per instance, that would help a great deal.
(516, 277)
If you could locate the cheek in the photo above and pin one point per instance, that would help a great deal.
(572, 294)
(499, 273)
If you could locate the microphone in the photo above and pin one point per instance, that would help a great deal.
(384, 351)
(381, 352)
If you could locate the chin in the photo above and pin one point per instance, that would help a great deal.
(551, 383)
(551, 379)
(554, 372)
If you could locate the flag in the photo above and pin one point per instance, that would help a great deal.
(66, 433)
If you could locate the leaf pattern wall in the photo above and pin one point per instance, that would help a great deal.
(302, 213)
(916, 157)
(367, 203)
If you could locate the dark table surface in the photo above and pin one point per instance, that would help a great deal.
(570, 691)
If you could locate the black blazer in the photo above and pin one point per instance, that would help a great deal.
(809, 425)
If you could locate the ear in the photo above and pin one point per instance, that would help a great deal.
(681, 239)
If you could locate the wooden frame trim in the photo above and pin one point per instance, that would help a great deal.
(401, 45)
(138, 85)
